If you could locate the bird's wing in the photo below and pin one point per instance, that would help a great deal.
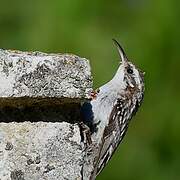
(113, 134)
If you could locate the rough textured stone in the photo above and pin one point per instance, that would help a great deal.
(40, 97)
(40, 151)
(39, 74)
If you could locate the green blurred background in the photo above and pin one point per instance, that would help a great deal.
(149, 31)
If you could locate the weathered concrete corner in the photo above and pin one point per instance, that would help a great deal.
(39, 74)
(40, 97)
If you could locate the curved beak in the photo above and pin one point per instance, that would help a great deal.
(121, 51)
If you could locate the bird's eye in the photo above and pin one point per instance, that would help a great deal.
(129, 71)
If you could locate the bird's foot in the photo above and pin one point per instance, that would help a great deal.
(94, 93)
(85, 133)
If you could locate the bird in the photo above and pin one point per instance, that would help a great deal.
(112, 107)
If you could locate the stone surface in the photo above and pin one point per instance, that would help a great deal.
(36, 74)
(40, 151)
(40, 98)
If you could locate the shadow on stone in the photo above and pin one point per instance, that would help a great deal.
(34, 110)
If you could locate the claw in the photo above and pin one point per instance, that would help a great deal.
(85, 133)
(94, 94)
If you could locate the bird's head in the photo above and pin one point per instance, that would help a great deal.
(128, 75)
